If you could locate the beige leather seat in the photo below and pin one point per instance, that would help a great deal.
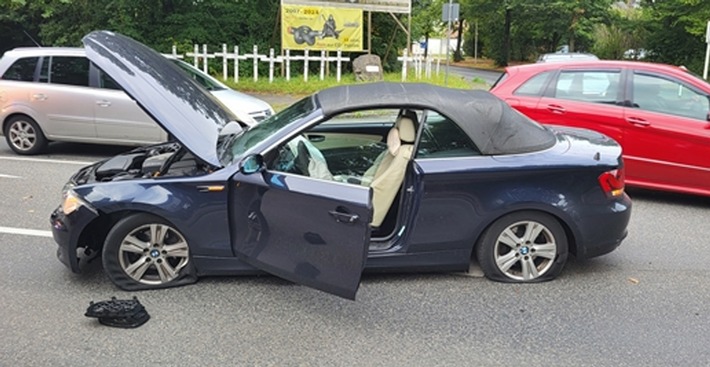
(387, 174)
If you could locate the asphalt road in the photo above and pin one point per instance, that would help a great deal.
(645, 304)
(489, 76)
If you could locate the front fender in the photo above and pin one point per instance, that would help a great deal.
(199, 214)
(18, 108)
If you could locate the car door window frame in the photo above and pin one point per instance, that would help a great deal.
(620, 88)
(426, 133)
(632, 98)
(70, 57)
(96, 77)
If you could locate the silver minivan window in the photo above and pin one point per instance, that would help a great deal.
(22, 70)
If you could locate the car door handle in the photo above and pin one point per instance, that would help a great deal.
(316, 138)
(557, 109)
(39, 97)
(341, 217)
(638, 121)
(103, 103)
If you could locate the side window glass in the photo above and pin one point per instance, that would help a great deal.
(70, 71)
(588, 86)
(347, 148)
(106, 82)
(442, 138)
(533, 86)
(652, 93)
(22, 70)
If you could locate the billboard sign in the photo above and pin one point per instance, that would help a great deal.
(387, 6)
(321, 28)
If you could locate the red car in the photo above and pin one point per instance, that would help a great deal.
(659, 114)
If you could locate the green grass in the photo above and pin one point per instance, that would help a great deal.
(296, 86)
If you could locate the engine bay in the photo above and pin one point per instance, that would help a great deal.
(165, 160)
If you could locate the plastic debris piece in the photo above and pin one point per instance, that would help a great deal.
(123, 313)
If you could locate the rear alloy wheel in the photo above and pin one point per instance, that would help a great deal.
(24, 136)
(523, 247)
(145, 252)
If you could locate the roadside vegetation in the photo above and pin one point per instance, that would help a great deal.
(297, 87)
(506, 31)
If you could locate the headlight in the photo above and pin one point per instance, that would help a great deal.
(68, 186)
(72, 202)
(245, 118)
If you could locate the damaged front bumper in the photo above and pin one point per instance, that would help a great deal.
(67, 230)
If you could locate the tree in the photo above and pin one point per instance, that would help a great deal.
(676, 31)
(521, 29)
(426, 20)
(157, 23)
(623, 32)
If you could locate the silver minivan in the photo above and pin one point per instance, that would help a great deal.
(57, 94)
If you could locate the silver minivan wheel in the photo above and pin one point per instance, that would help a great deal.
(24, 136)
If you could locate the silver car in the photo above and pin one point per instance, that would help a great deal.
(57, 94)
(566, 56)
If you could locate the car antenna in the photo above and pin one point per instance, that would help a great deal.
(30, 37)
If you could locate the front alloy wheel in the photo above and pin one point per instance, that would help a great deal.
(523, 247)
(143, 251)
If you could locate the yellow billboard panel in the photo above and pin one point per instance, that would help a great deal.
(385, 6)
(321, 28)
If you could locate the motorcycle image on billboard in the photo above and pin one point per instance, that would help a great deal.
(321, 28)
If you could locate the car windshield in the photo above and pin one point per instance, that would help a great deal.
(236, 145)
(200, 77)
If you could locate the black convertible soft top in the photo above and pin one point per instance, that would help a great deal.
(491, 124)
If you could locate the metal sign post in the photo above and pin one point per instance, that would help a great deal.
(449, 13)
(707, 52)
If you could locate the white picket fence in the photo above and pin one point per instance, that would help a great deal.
(200, 60)
(420, 64)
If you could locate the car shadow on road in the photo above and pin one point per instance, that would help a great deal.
(665, 197)
(61, 148)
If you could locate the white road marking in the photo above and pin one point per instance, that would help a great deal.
(8, 176)
(44, 160)
(26, 232)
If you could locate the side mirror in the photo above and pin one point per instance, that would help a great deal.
(252, 164)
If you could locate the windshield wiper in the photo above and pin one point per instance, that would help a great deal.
(223, 143)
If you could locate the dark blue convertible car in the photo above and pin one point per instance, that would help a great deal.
(377, 177)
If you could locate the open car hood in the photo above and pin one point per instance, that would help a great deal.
(175, 101)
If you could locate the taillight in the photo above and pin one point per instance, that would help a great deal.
(612, 182)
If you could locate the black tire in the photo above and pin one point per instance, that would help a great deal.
(298, 37)
(508, 253)
(24, 136)
(143, 251)
(310, 40)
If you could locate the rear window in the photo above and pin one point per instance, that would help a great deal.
(533, 86)
(503, 77)
(22, 70)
